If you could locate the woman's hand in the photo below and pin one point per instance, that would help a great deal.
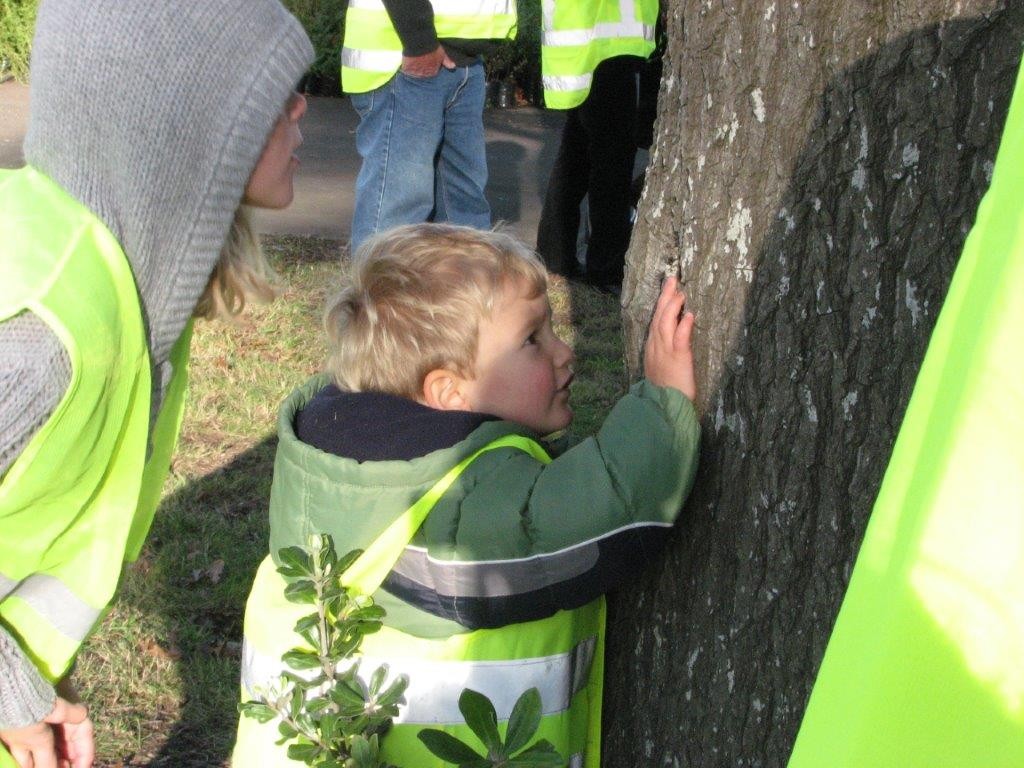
(63, 738)
(668, 359)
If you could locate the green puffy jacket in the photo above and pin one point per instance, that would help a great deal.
(600, 507)
(509, 564)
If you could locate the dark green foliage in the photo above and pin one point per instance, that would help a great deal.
(518, 60)
(324, 21)
(482, 720)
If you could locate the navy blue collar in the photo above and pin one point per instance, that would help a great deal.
(372, 426)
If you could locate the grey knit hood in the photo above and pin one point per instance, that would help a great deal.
(153, 113)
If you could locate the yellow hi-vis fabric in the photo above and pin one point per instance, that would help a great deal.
(79, 499)
(563, 656)
(577, 36)
(372, 52)
(925, 666)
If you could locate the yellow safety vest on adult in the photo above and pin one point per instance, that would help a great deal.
(79, 499)
(372, 53)
(577, 36)
(562, 656)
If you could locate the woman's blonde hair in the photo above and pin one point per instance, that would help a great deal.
(413, 302)
(242, 273)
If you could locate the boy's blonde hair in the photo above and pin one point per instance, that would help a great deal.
(413, 303)
(242, 273)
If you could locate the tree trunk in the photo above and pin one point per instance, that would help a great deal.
(816, 169)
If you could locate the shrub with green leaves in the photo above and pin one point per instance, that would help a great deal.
(510, 752)
(324, 21)
(17, 20)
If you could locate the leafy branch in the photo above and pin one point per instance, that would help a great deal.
(334, 719)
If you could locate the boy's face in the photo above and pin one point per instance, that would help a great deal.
(523, 370)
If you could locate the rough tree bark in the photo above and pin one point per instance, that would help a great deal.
(816, 169)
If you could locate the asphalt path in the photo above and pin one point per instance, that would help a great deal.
(521, 146)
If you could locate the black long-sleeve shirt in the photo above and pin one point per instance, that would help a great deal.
(414, 23)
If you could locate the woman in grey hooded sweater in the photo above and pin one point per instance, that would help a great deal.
(151, 122)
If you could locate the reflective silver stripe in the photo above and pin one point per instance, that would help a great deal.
(502, 578)
(260, 670)
(371, 61)
(576, 761)
(567, 82)
(450, 7)
(6, 586)
(434, 686)
(569, 37)
(56, 603)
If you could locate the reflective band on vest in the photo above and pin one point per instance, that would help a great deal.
(434, 686)
(599, 32)
(577, 36)
(568, 83)
(450, 7)
(54, 601)
(372, 61)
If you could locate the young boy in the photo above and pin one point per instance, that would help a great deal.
(443, 351)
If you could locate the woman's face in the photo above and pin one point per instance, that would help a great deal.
(270, 185)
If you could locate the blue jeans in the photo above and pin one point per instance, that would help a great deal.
(424, 158)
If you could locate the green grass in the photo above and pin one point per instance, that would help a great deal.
(161, 673)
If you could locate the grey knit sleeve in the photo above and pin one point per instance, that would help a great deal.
(25, 695)
(34, 374)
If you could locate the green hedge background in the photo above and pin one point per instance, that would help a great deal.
(515, 60)
(17, 17)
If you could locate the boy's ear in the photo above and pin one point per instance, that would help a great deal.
(443, 389)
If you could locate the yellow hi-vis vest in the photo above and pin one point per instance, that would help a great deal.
(925, 665)
(79, 499)
(577, 36)
(562, 656)
(372, 53)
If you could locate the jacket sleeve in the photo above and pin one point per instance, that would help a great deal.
(25, 696)
(525, 539)
(34, 374)
(413, 20)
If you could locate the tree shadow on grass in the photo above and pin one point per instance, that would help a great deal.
(206, 543)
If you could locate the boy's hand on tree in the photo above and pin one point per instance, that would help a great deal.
(668, 358)
(62, 738)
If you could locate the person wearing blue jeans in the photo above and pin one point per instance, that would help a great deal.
(422, 144)
(414, 72)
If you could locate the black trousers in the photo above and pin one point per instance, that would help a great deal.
(595, 159)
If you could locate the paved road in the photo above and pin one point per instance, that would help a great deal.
(521, 145)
